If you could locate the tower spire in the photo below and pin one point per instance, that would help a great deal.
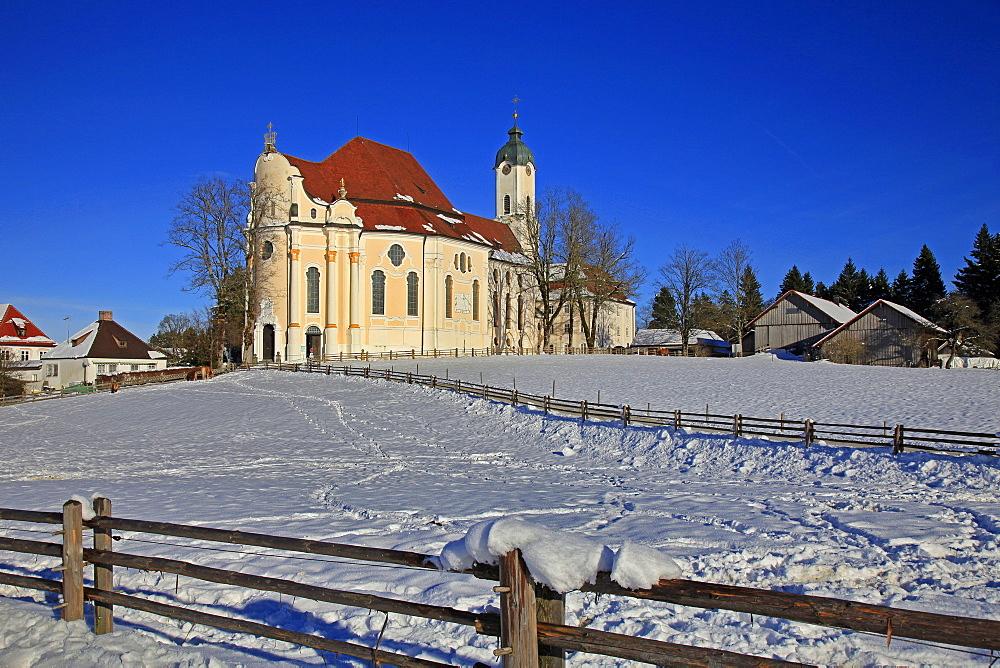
(269, 138)
(514, 102)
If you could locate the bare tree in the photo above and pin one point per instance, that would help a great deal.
(559, 234)
(736, 277)
(11, 383)
(215, 226)
(966, 331)
(688, 273)
(610, 273)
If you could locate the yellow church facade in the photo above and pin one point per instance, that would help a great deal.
(363, 252)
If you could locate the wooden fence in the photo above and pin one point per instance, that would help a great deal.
(530, 623)
(898, 437)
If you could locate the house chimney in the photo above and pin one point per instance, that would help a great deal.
(104, 315)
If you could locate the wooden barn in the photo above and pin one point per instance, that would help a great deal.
(794, 322)
(884, 334)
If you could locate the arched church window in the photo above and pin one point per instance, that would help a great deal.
(266, 250)
(506, 312)
(461, 263)
(378, 292)
(448, 288)
(412, 289)
(506, 203)
(396, 254)
(312, 290)
(475, 300)
(520, 312)
(293, 211)
(527, 205)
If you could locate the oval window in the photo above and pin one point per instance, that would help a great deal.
(396, 254)
(266, 250)
(312, 213)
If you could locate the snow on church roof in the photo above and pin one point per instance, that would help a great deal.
(390, 188)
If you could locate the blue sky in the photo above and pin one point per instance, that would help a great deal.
(814, 131)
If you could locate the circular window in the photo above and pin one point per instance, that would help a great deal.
(266, 250)
(396, 254)
(506, 169)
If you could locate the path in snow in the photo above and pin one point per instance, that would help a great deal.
(401, 466)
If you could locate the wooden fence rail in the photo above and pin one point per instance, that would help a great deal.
(530, 622)
(898, 437)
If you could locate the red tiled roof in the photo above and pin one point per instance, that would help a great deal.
(392, 191)
(9, 330)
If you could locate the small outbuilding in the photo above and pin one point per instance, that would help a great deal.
(101, 348)
(794, 322)
(703, 342)
(884, 334)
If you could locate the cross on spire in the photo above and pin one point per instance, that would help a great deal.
(269, 138)
(514, 102)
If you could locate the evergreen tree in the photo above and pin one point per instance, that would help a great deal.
(750, 301)
(926, 286)
(822, 291)
(900, 292)
(807, 282)
(664, 312)
(880, 286)
(794, 280)
(979, 279)
(850, 287)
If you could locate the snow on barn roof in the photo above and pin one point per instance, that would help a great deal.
(15, 329)
(392, 191)
(835, 311)
(912, 315)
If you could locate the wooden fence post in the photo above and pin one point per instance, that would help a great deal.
(104, 579)
(72, 561)
(897, 439)
(518, 621)
(737, 425)
(626, 415)
(545, 405)
(550, 607)
(677, 419)
(810, 432)
(583, 411)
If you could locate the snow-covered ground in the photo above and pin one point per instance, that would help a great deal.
(401, 466)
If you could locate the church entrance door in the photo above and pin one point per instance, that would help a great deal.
(314, 343)
(268, 351)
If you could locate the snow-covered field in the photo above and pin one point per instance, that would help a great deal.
(393, 465)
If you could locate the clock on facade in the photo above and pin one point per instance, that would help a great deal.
(506, 169)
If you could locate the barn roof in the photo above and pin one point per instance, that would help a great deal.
(17, 330)
(103, 339)
(912, 315)
(393, 193)
(836, 312)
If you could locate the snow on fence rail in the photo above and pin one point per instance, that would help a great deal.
(898, 437)
(530, 623)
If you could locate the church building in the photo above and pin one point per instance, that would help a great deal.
(363, 252)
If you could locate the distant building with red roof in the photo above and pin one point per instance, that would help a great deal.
(21, 339)
(362, 251)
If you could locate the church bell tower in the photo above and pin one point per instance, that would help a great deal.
(515, 181)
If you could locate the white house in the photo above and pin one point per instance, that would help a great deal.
(102, 347)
